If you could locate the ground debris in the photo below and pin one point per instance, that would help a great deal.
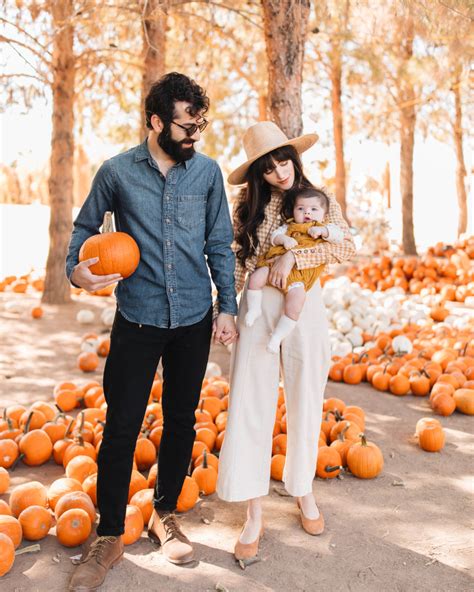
(340, 477)
(432, 562)
(205, 520)
(30, 549)
(398, 483)
(56, 558)
(246, 562)
(221, 588)
(76, 559)
(392, 454)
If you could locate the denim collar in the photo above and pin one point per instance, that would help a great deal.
(143, 153)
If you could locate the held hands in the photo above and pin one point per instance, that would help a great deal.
(83, 277)
(224, 329)
(289, 242)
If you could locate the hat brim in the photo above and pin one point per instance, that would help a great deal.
(301, 143)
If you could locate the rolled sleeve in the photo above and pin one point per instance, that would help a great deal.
(219, 237)
(90, 218)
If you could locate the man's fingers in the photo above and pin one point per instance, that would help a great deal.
(89, 262)
(111, 278)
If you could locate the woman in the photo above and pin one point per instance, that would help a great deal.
(273, 167)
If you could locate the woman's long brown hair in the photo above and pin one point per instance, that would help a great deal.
(250, 211)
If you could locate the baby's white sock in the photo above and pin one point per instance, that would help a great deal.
(284, 327)
(254, 303)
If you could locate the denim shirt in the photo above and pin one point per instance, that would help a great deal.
(182, 226)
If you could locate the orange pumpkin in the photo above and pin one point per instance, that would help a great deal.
(10, 526)
(7, 554)
(205, 476)
(365, 459)
(87, 361)
(143, 500)
(277, 466)
(189, 495)
(89, 486)
(73, 527)
(35, 522)
(145, 454)
(117, 251)
(431, 438)
(464, 400)
(329, 463)
(80, 467)
(35, 448)
(133, 525)
(4, 480)
(75, 500)
(137, 482)
(32, 493)
(60, 487)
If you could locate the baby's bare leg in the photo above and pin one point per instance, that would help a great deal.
(257, 281)
(294, 301)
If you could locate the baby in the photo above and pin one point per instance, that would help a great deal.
(305, 229)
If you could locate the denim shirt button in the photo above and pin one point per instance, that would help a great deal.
(167, 220)
(168, 243)
(171, 289)
(169, 266)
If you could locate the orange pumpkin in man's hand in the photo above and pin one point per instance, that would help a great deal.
(117, 251)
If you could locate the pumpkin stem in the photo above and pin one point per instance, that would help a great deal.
(61, 411)
(69, 428)
(204, 462)
(28, 421)
(363, 440)
(17, 460)
(331, 469)
(338, 415)
(108, 225)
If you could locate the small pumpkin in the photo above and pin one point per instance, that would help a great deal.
(10, 526)
(143, 500)
(89, 486)
(35, 448)
(188, 496)
(73, 527)
(133, 525)
(431, 438)
(7, 554)
(60, 487)
(87, 361)
(4, 480)
(205, 476)
(32, 493)
(36, 522)
(75, 500)
(80, 467)
(117, 251)
(145, 454)
(365, 459)
(277, 467)
(329, 463)
(137, 483)
(464, 400)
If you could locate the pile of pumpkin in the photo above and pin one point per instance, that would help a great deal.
(33, 283)
(342, 443)
(435, 360)
(441, 249)
(452, 278)
(47, 430)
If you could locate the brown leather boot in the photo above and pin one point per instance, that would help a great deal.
(166, 532)
(103, 553)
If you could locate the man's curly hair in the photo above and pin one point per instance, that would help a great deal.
(169, 89)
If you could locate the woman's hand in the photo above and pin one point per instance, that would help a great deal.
(280, 270)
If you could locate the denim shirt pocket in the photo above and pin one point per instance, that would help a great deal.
(191, 211)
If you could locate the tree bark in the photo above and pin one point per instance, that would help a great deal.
(458, 145)
(338, 127)
(57, 288)
(406, 105)
(154, 50)
(285, 27)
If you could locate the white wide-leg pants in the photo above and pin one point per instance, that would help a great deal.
(244, 463)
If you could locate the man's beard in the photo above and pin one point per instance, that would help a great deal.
(174, 148)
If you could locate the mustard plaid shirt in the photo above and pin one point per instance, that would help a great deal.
(320, 254)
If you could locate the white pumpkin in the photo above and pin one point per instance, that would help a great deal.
(213, 369)
(402, 345)
(344, 324)
(85, 317)
(107, 316)
(355, 338)
(89, 345)
(343, 348)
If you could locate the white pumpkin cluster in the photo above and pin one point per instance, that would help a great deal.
(107, 316)
(353, 310)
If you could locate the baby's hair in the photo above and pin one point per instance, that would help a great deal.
(304, 192)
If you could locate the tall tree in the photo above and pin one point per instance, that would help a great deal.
(458, 145)
(154, 25)
(285, 29)
(56, 287)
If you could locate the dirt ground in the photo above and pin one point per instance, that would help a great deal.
(408, 530)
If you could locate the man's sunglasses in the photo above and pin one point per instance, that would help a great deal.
(191, 129)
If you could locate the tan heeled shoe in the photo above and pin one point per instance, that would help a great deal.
(313, 526)
(247, 550)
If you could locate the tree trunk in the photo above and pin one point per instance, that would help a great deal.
(338, 129)
(57, 288)
(460, 166)
(407, 144)
(262, 107)
(406, 105)
(387, 192)
(285, 26)
(154, 51)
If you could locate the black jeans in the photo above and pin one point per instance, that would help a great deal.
(128, 376)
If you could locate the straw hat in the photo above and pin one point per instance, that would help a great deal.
(263, 137)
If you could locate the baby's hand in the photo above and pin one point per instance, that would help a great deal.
(315, 231)
(289, 242)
